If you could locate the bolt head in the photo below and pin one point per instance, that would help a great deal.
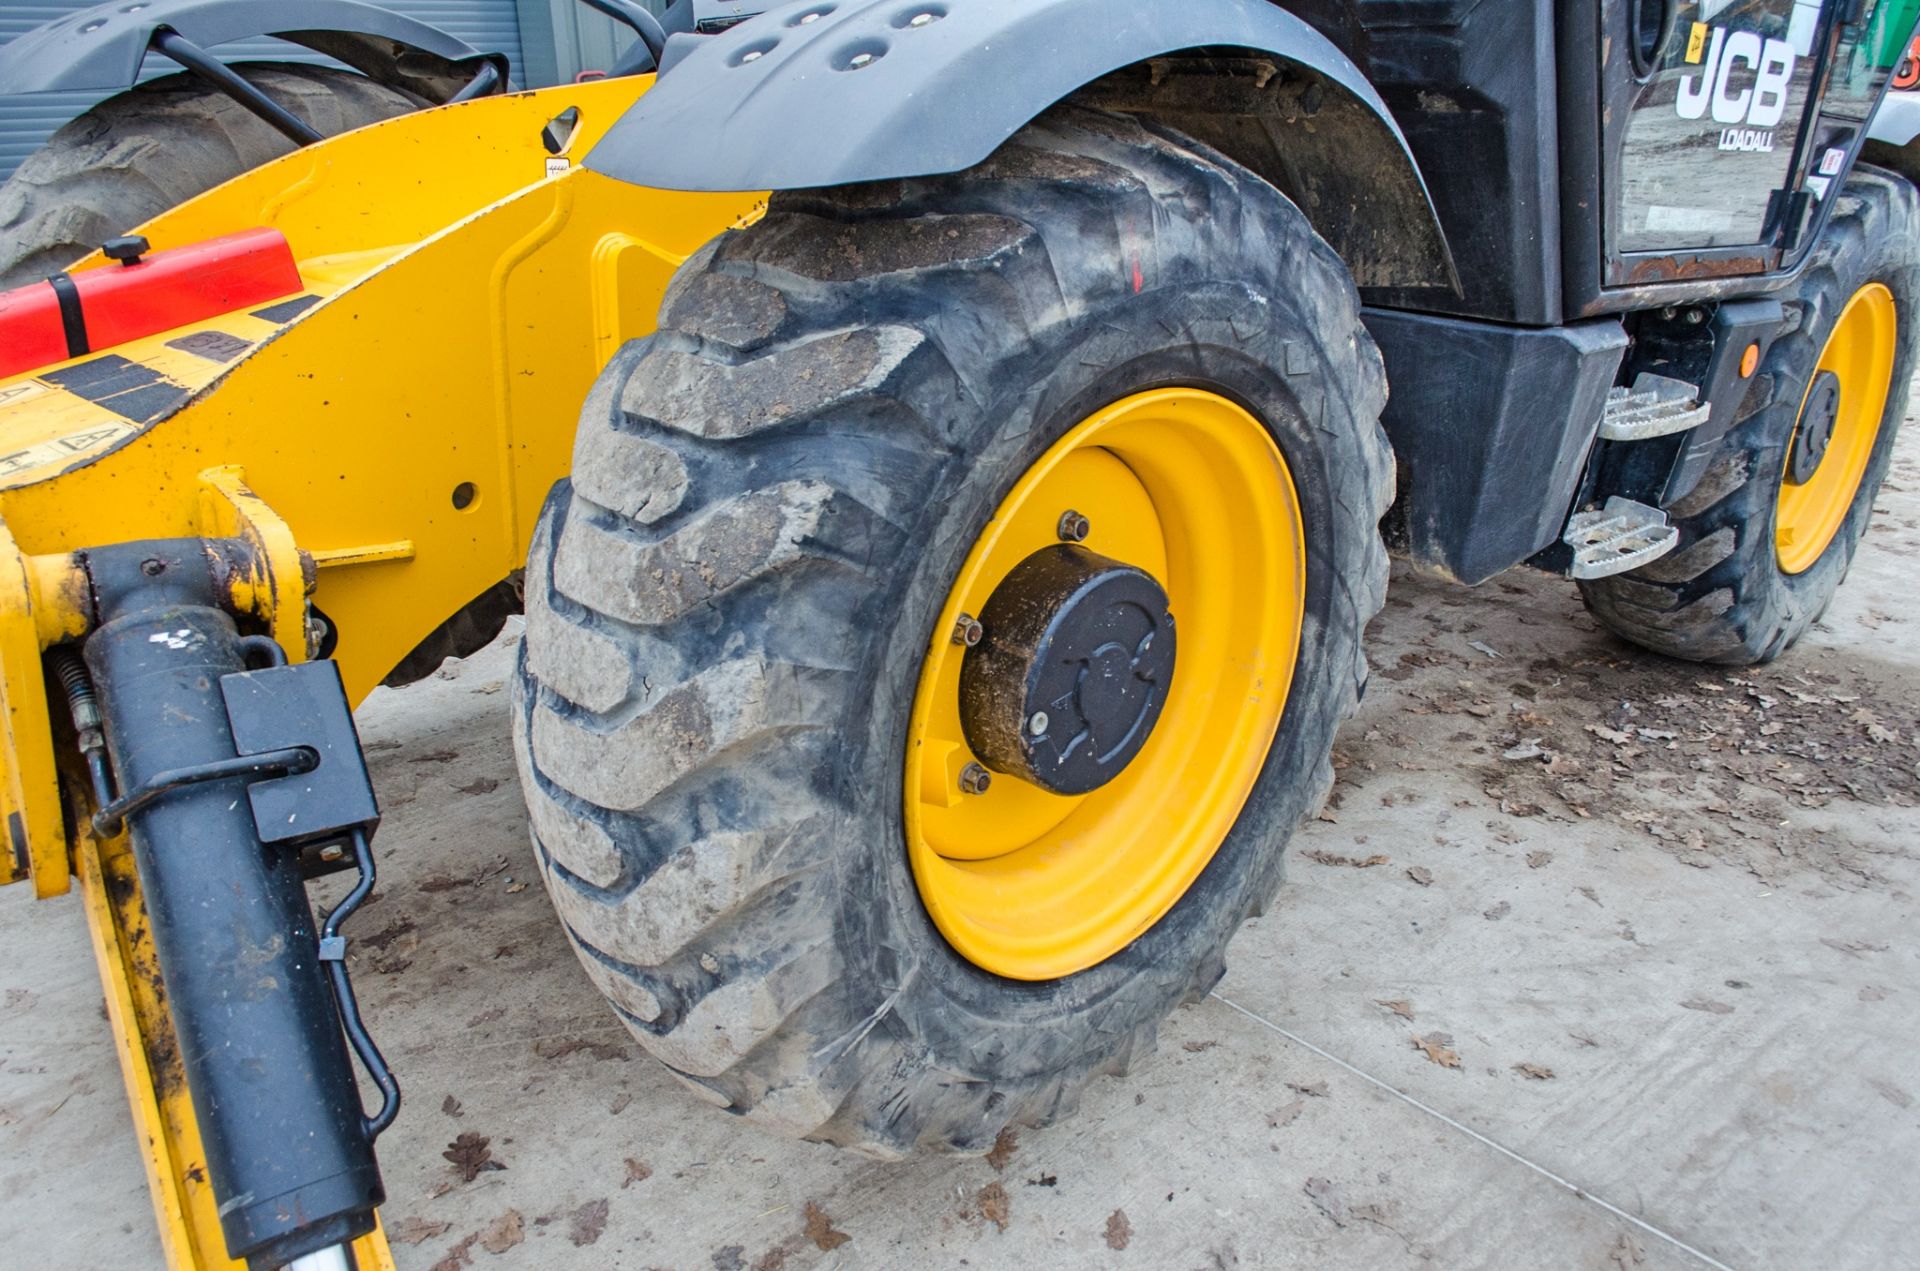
(922, 19)
(751, 55)
(331, 852)
(974, 779)
(808, 19)
(1074, 527)
(967, 631)
(1039, 724)
(860, 60)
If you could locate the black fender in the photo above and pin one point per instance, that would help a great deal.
(101, 49)
(814, 94)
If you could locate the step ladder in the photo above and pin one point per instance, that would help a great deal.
(1621, 536)
(1655, 406)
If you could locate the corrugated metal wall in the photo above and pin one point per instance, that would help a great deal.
(492, 26)
(565, 37)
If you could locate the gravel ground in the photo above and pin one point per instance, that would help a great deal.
(1597, 960)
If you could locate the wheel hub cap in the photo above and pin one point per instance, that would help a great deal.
(1073, 673)
(1816, 428)
(1063, 786)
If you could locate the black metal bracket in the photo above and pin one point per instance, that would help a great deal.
(303, 707)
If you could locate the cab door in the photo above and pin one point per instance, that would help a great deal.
(1728, 122)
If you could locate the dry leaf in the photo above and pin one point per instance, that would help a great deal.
(461, 1255)
(637, 1172)
(1498, 912)
(412, 1231)
(820, 1230)
(1438, 1048)
(1119, 1230)
(1311, 1089)
(471, 1156)
(504, 1232)
(450, 1106)
(1708, 1005)
(1286, 1116)
(585, 1224)
(1422, 875)
(1539, 860)
(484, 785)
(1399, 1006)
(1330, 858)
(1003, 1149)
(994, 1204)
(1535, 1072)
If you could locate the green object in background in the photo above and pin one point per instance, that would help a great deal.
(1889, 32)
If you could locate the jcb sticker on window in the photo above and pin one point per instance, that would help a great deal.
(1747, 114)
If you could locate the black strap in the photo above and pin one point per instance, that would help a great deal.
(72, 319)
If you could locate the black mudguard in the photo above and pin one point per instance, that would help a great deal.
(813, 94)
(101, 49)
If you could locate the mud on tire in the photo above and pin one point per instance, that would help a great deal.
(155, 146)
(728, 605)
(1721, 596)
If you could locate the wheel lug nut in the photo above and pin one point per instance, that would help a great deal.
(1074, 527)
(974, 779)
(967, 631)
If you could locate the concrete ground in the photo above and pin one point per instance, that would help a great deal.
(1598, 960)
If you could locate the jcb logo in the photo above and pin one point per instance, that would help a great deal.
(1762, 105)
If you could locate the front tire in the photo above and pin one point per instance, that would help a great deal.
(730, 607)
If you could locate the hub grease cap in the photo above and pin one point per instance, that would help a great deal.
(1073, 673)
(1816, 428)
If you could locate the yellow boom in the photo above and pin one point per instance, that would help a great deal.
(382, 444)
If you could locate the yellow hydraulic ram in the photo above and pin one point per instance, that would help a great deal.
(361, 461)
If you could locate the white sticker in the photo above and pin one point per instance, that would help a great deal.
(557, 166)
(1687, 220)
(20, 392)
(64, 449)
(1830, 161)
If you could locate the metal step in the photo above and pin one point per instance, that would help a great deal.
(1654, 407)
(1621, 536)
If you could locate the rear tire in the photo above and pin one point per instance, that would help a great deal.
(155, 146)
(729, 605)
(1722, 595)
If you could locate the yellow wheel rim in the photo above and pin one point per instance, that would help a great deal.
(1859, 354)
(1190, 488)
